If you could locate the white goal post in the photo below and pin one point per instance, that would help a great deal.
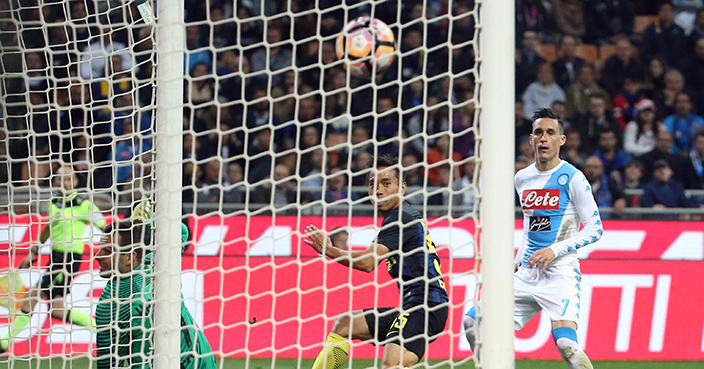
(238, 120)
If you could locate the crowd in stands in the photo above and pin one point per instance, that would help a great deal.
(272, 117)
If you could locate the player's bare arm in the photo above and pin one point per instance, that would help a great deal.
(364, 260)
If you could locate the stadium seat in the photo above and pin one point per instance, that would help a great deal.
(641, 22)
(547, 51)
(587, 52)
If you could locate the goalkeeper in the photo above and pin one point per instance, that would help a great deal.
(123, 314)
(410, 256)
(68, 217)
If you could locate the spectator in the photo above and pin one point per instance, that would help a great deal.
(467, 186)
(195, 51)
(639, 135)
(618, 66)
(665, 99)
(524, 126)
(260, 156)
(250, 29)
(211, 184)
(531, 15)
(282, 192)
(312, 171)
(693, 69)
(200, 87)
(360, 171)
(655, 76)
(542, 92)
(606, 18)
(527, 60)
(697, 28)
(462, 124)
(337, 193)
(663, 191)
(224, 33)
(559, 107)
(275, 52)
(598, 119)
(35, 78)
(229, 78)
(694, 171)
(577, 95)
(387, 126)
(567, 66)
(632, 180)
(569, 17)
(412, 173)
(411, 47)
(94, 58)
(613, 158)
(663, 151)
(259, 114)
(441, 152)
(310, 139)
(444, 196)
(235, 175)
(360, 142)
(572, 151)
(127, 151)
(624, 103)
(664, 37)
(683, 125)
(525, 151)
(606, 190)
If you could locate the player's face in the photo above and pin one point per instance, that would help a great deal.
(111, 261)
(546, 140)
(385, 185)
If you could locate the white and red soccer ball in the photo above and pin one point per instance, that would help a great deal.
(367, 45)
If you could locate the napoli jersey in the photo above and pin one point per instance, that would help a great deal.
(554, 203)
(412, 260)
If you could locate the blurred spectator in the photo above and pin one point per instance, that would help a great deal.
(569, 17)
(360, 142)
(613, 158)
(116, 85)
(683, 125)
(275, 54)
(623, 105)
(566, 68)
(572, 151)
(577, 95)
(665, 99)
(259, 115)
(413, 93)
(559, 107)
(411, 47)
(694, 170)
(692, 68)
(664, 37)
(235, 175)
(655, 76)
(63, 51)
(412, 173)
(443, 195)
(531, 15)
(663, 151)
(35, 78)
(360, 170)
(639, 135)
(524, 126)
(211, 184)
(224, 32)
(260, 156)
(310, 138)
(226, 142)
(466, 185)
(463, 24)
(195, 51)
(462, 123)
(250, 29)
(230, 74)
(542, 92)
(697, 28)
(337, 191)
(125, 156)
(632, 180)
(441, 152)
(387, 125)
(94, 58)
(607, 192)
(663, 191)
(606, 18)
(282, 192)
(312, 170)
(598, 119)
(80, 23)
(525, 151)
(527, 60)
(309, 114)
(340, 238)
(200, 87)
(623, 63)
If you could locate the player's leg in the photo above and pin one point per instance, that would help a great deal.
(21, 318)
(410, 333)
(564, 332)
(345, 327)
(60, 287)
(471, 329)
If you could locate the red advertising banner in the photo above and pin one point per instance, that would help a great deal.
(637, 308)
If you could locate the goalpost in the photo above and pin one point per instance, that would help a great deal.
(200, 90)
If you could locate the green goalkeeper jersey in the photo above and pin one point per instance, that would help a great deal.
(124, 324)
(68, 218)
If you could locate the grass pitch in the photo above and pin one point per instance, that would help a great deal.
(83, 363)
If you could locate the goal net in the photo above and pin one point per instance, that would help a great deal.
(270, 133)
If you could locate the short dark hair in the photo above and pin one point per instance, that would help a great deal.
(389, 160)
(131, 237)
(550, 114)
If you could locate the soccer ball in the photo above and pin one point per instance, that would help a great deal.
(367, 45)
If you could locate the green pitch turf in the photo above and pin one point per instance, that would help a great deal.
(82, 363)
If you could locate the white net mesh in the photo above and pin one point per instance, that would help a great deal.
(277, 135)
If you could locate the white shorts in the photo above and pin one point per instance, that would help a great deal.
(557, 291)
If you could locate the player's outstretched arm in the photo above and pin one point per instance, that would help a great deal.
(364, 260)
